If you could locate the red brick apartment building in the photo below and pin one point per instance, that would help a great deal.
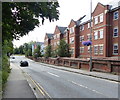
(105, 33)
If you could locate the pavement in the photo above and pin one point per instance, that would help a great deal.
(17, 85)
(101, 75)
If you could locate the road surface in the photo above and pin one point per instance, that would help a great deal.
(63, 84)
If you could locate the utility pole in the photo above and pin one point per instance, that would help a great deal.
(90, 35)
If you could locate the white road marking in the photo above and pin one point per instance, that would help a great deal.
(86, 87)
(53, 74)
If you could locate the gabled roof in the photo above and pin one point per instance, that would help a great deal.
(62, 29)
(78, 22)
(97, 5)
(49, 35)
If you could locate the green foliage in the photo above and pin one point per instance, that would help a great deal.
(54, 53)
(6, 48)
(48, 51)
(16, 51)
(19, 18)
(63, 49)
(0, 81)
(21, 49)
(29, 52)
(5, 69)
(37, 52)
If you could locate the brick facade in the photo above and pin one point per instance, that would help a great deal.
(105, 33)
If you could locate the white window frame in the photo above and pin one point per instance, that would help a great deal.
(81, 49)
(72, 50)
(81, 38)
(101, 32)
(89, 37)
(101, 18)
(116, 15)
(115, 32)
(95, 35)
(58, 42)
(71, 40)
(81, 27)
(96, 20)
(71, 30)
(88, 25)
(88, 49)
(96, 50)
(101, 48)
(116, 44)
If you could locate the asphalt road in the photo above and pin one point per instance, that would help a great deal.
(63, 84)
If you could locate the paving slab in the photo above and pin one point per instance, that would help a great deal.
(17, 85)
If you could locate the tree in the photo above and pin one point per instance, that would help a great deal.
(16, 50)
(37, 52)
(48, 51)
(19, 18)
(21, 50)
(63, 49)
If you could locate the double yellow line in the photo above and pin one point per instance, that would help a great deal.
(40, 88)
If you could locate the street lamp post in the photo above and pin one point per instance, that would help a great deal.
(89, 43)
(91, 35)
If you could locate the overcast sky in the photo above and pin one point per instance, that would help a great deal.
(69, 9)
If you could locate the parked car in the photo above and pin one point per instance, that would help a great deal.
(23, 63)
(12, 57)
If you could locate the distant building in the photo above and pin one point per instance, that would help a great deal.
(34, 46)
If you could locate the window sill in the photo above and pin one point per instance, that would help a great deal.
(115, 19)
(115, 53)
(115, 36)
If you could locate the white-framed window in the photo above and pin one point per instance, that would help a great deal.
(72, 40)
(96, 20)
(81, 49)
(81, 38)
(115, 49)
(57, 35)
(115, 15)
(82, 28)
(72, 50)
(115, 32)
(89, 37)
(101, 49)
(101, 33)
(54, 36)
(95, 35)
(66, 40)
(88, 25)
(88, 49)
(71, 30)
(101, 17)
(58, 42)
(95, 49)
